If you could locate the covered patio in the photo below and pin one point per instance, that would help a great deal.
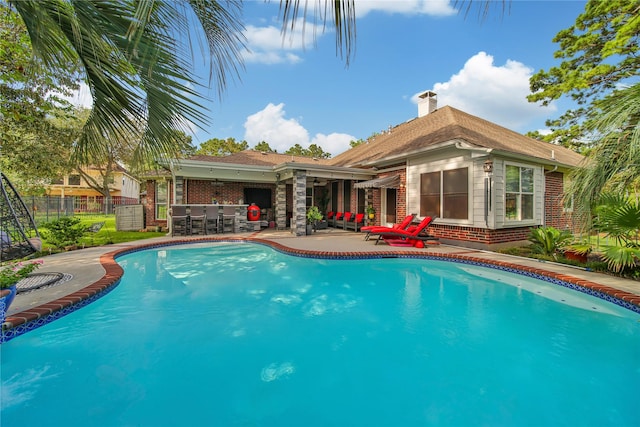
(282, 190)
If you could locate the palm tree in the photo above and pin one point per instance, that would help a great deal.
(137, 55)
(614, 163)
(133, 62)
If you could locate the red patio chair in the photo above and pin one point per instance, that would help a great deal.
(356, 222)
(406, 222)
(417, 234)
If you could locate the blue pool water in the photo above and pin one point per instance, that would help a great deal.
(239, 334)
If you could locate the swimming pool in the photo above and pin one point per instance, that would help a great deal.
(237, 334)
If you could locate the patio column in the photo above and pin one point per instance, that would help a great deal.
(179, 191)
(299, 220)
(368, 200)
(281, 205)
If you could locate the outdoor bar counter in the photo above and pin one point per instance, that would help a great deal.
(239, 224)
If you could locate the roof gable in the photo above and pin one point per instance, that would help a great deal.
(448, 124)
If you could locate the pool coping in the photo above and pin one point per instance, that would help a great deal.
(27, 320)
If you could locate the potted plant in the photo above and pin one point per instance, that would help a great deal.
(578, 251)
(371, 212)
(313, 216)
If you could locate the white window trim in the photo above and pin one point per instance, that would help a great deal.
(519, 221)
(157, 204)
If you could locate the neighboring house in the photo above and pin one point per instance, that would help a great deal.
(124, 188)
(486, 185)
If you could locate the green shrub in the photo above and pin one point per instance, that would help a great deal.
(549, 240)
(619, 217)
(65, 231)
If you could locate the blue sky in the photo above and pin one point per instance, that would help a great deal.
(295, 91)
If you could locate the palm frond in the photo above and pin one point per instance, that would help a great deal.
(137, 73)
(614, 163)
(341, 13)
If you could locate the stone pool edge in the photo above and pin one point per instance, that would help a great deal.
(27, 320)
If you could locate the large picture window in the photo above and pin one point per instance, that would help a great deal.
(161, 200)
(518, 193)
(445, 194)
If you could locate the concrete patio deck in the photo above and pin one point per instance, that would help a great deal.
(86, 267)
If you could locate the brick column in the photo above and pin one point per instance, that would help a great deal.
(281, 205)
(299, 220)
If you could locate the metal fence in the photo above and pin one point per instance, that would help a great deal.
(47, 208)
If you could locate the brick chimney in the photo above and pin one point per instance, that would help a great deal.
(427, 103)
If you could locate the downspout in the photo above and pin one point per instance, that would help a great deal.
(488, 173)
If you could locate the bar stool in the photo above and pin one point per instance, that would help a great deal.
(228, 218)
(212, 222)
(179, 220)
(197, 220)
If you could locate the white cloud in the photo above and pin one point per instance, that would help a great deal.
(272, 126)
(81, 97)
(268, 45)
(494, 93)
(406, 7)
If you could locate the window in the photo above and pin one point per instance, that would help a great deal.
(334, 196)
(518, 193)
(161, 200)
(346, 194)
(445, 194)
(57, 181)
(74, 180)
(361, 199)
(309, 202)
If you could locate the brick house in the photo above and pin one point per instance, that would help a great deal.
(485, 184)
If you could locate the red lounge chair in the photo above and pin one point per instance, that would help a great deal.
(397, 236)
(406, 222)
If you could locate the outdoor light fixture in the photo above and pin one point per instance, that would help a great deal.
(488, 166)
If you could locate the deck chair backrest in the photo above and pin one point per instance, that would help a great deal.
(330, 215)
(197, 211)
(405, 222)
(212, 212)
(339, 215)
(178, 211)
(347, 216)
(423, 224)
(359, 218)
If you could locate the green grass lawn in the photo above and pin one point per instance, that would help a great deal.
(106, 236)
